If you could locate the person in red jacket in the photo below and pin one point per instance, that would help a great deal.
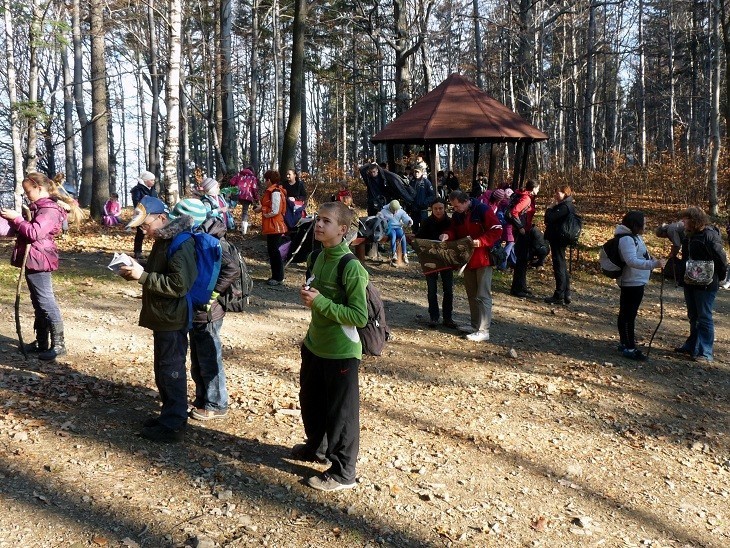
(475, 219)
(520, 215)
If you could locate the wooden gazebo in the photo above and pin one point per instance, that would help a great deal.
(457, 111)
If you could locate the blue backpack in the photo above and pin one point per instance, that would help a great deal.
(208, 255)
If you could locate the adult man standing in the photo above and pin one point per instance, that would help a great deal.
(145, 187)
(477, 220)
(520, 215)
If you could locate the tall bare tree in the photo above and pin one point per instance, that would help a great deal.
(13, 97)
(172, 102)
(99, 113)
(296, 89)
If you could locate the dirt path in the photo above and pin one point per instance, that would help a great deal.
(561, 443)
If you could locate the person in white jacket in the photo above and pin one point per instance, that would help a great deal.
(397, 220)
(634, 277)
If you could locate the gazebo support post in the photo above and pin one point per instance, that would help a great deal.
(390, 156)
(474, 170)
(525, 157)
(516, 166)
(492, 165)
(433, 162)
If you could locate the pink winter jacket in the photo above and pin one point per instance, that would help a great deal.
(46, 220)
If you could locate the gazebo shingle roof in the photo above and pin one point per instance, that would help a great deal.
(457, 111)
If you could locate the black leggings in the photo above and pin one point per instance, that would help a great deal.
(631, 297)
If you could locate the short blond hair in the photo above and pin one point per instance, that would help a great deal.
(342, 214)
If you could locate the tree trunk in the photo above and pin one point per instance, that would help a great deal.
(477, 43)
(172, 102)
(153, 150)
(641, 84)
(68, 122)
(99, 114)
(228, 126)
(87, 135)
(253, 119)
(589, 152)
(296, 90)
(32, 112)
(13, 98)
(714, 110)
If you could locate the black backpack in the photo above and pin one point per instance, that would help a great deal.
(570, 229)
(235, 298)
(612, 265)
(516, 222)
(375, 333)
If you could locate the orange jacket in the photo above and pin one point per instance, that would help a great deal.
(273, 224)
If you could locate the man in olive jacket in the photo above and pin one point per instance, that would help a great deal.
(165, 283)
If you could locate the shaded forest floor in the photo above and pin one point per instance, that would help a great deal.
(544, 436)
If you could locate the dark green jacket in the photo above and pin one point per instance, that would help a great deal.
(165, 283)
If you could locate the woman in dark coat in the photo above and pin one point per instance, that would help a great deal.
(555, 215)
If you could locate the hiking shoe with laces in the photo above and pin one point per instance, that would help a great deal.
(163, 434)
(451, 324)
(207, 414)
(466, 329)
(301, 452)
(478, 336)
(325, 482)
(634, 354)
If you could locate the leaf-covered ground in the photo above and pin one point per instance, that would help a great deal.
(544, 436)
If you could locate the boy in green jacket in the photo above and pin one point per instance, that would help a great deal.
(165, 283)
(329, 394)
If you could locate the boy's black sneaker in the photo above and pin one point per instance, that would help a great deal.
(301, 452)
(634, 354)
(163, 434)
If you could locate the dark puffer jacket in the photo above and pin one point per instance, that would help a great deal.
(166, 283)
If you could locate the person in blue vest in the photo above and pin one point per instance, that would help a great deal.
(165, 283)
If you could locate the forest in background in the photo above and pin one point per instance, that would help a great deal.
(632, 93)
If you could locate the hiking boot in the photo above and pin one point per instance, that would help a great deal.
(466, 328)
(324, 482)
(433, 324)
(523, 294)
(42, 338)
(163, 434)
(200, 414)
(634, 354)
(272, 282)
(301, 452)
(683, 350)
(478, 336)
(553, 300)
(58, 347)
(151, 421)
(451, 324)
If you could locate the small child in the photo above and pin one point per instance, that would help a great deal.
(397, 219)
(165, 283)
(112, 210)
(331, 352)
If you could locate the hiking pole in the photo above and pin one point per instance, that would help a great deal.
(21, 275)
(661, 315)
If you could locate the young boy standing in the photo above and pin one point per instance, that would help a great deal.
(165, 283)
(329, 394)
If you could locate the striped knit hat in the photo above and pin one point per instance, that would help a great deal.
(192, 207)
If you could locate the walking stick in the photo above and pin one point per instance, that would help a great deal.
(19, 331)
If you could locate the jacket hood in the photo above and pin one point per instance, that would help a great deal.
(175, 227)
(621, 230)
(214, 226)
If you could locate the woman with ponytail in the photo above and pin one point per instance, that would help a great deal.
(49, 208)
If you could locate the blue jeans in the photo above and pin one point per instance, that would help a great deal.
(699, 303)
(396, 234)
(447, 281)
(44, 302)
(206, 366)
(170, 350)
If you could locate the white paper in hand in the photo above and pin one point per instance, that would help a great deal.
(119, 260)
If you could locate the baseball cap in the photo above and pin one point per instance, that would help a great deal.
(189, 206)
(147, 206)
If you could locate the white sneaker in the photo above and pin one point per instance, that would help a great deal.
(726, 285)
(405, 258)
(478, 336)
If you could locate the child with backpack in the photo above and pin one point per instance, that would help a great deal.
(166, 281)
(331, 352)
(634, 277)
(206, 356)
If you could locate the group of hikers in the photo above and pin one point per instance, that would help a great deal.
(336, 287)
